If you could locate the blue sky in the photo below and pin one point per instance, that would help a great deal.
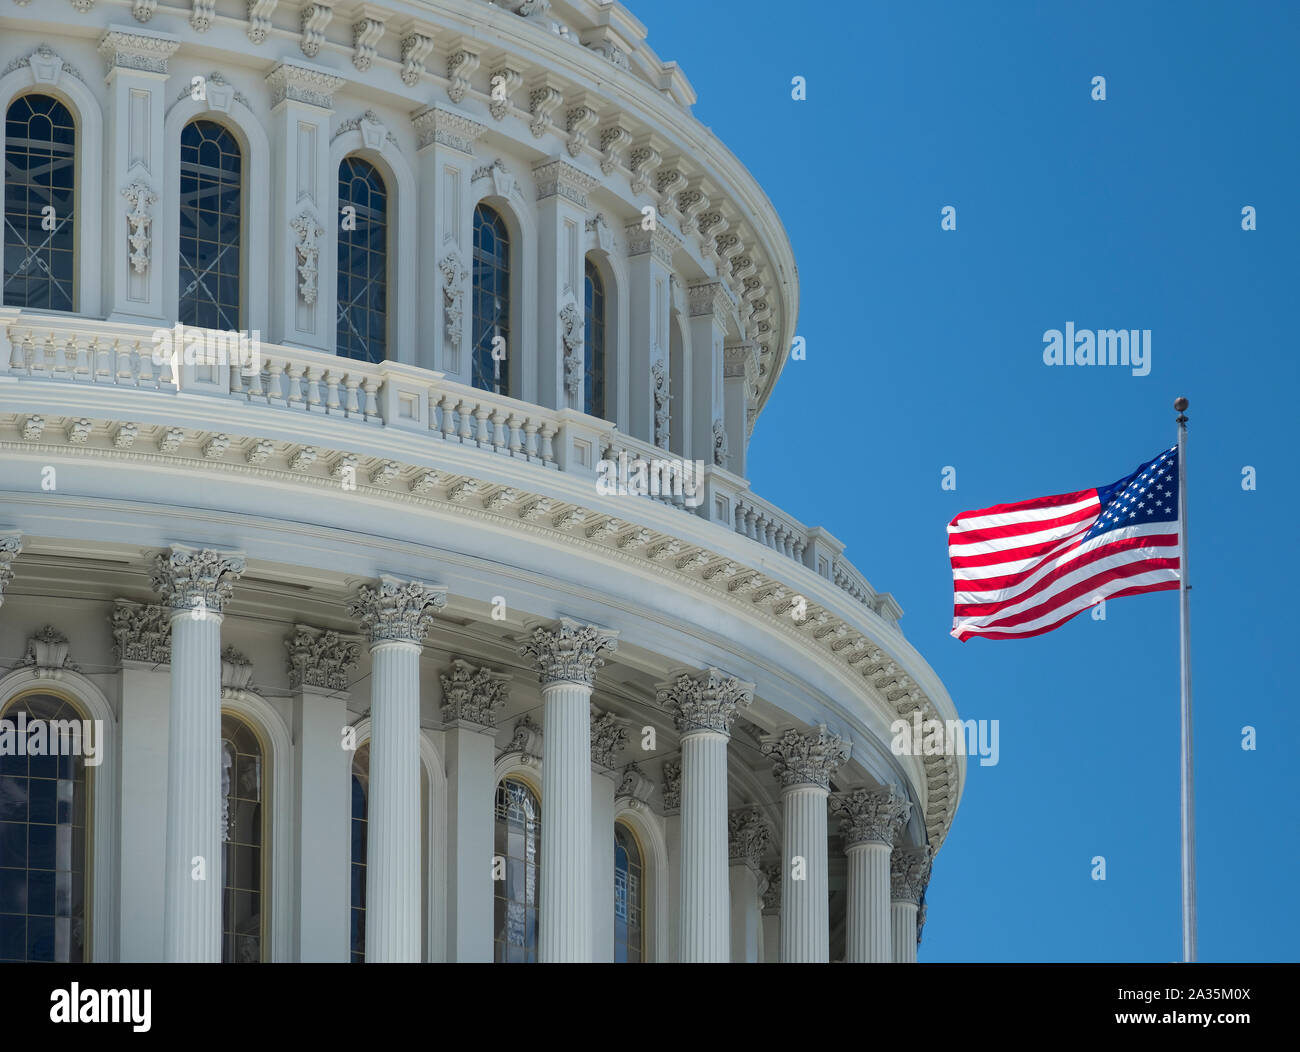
(925, 351)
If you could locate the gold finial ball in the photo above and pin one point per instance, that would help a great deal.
(1180, 404)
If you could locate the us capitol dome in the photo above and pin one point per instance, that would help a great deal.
(376, 381)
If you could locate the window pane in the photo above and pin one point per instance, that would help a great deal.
(491, 301)
(362, 261)
(518, 840)
(593, 397)
(211, 220)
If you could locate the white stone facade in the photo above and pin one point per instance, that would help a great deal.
(381, 554)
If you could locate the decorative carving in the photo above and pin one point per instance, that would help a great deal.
(542, 102)
(141, 632)
(33, 428)
(604, 235)
(236, 673)
(527, 740)
(613, 140)
(909, 873)
(473, 694)
(532, 8)
(454, 276)
(371, 129)
(806, 759)
(366, 34)
(707, 701)
(141, 198)
(643, 162)
(920, 921)
(569, 652)
(608, 739)
(47, 65)
(170, 440)
(201, 15)
(383, 474)
(669, 183)
(124, 436)
(447, 129)
(571, 334)
(215, 448)
(772, 893)
(315, 17)
(748, 834)
(47, 654)
(78, 431)
(614, 55)
(460, 64)
(320, 657)
(578, 121)
(11, 546)
(635, 786)
(871, 815)
(719, 443)
(306, 250)
(503, 83)
(303, 459)
(560, 177)
(397, 610)
(260, 452)
(672, 786)
(259, 19)
(662, 398)
(220, 91)
(142, 10)
(197, 580)
(415, 49)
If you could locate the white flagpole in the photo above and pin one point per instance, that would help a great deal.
(1185, 656)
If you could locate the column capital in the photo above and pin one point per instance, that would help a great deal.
(11, 546)
(871, 815)
(806, 759)
(569, 652)
(558, 178)
(398, 611)
(473, 694)
(141, 632)
(660, 242)
(299, 82)
(710, 297)
(320, 658)
(748, 834)
(706, 701)
(740, 361)
(608, 739)
(140, 50)
(196, 579)
(672, 787)
(909, 873)
(446, 128)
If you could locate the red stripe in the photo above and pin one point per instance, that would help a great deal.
(1004, 583)
(1026, 505)
(994, 533)
(1162, 586)
(1059, 545)
(1056, 599)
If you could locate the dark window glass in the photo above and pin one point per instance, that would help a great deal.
(39, 244)
(363, 260)
(360, 800)
(629, 897)
(593, 384)
(518, 848)
(211, 196)
(491, 305)
(43, 814)
(243, 837)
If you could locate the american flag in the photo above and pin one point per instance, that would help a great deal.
(1026, 568)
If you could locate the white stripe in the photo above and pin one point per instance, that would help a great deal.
(1021, 540)
(1075, 605)
(981, 522)
(1014, 566)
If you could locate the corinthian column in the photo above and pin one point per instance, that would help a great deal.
(870, 824)
(567, 656)
(909, 873)
(804, 765)
(396, 616)
(195, 586)
(704, 707)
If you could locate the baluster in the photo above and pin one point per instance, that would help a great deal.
(448, 416)
(61, 360)
(738, 518)
(236, 382)
(313, 388)
(498, 430)
(144, 376)
(433, 411)
(372, 401)
(294, 395)
(122, 373)
(514, 425)
(481, 415)
(463, 412)
(352, 408)
(548, 451)
(530, 439)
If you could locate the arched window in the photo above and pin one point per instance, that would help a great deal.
(360, 830)
(515, 898)
(629, 897)
(211, 216)
(40, 195)
(363, 255)
(44, 804)
(593, 384)
(491, 301)
(244, 840)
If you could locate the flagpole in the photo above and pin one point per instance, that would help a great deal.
(1185, 657)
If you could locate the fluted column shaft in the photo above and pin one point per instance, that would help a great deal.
(705, 906)
(805, 908)
(393, 822)
(564, 917)
(868, 939)
(902, 924)
(192, 902)
(195, 585)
